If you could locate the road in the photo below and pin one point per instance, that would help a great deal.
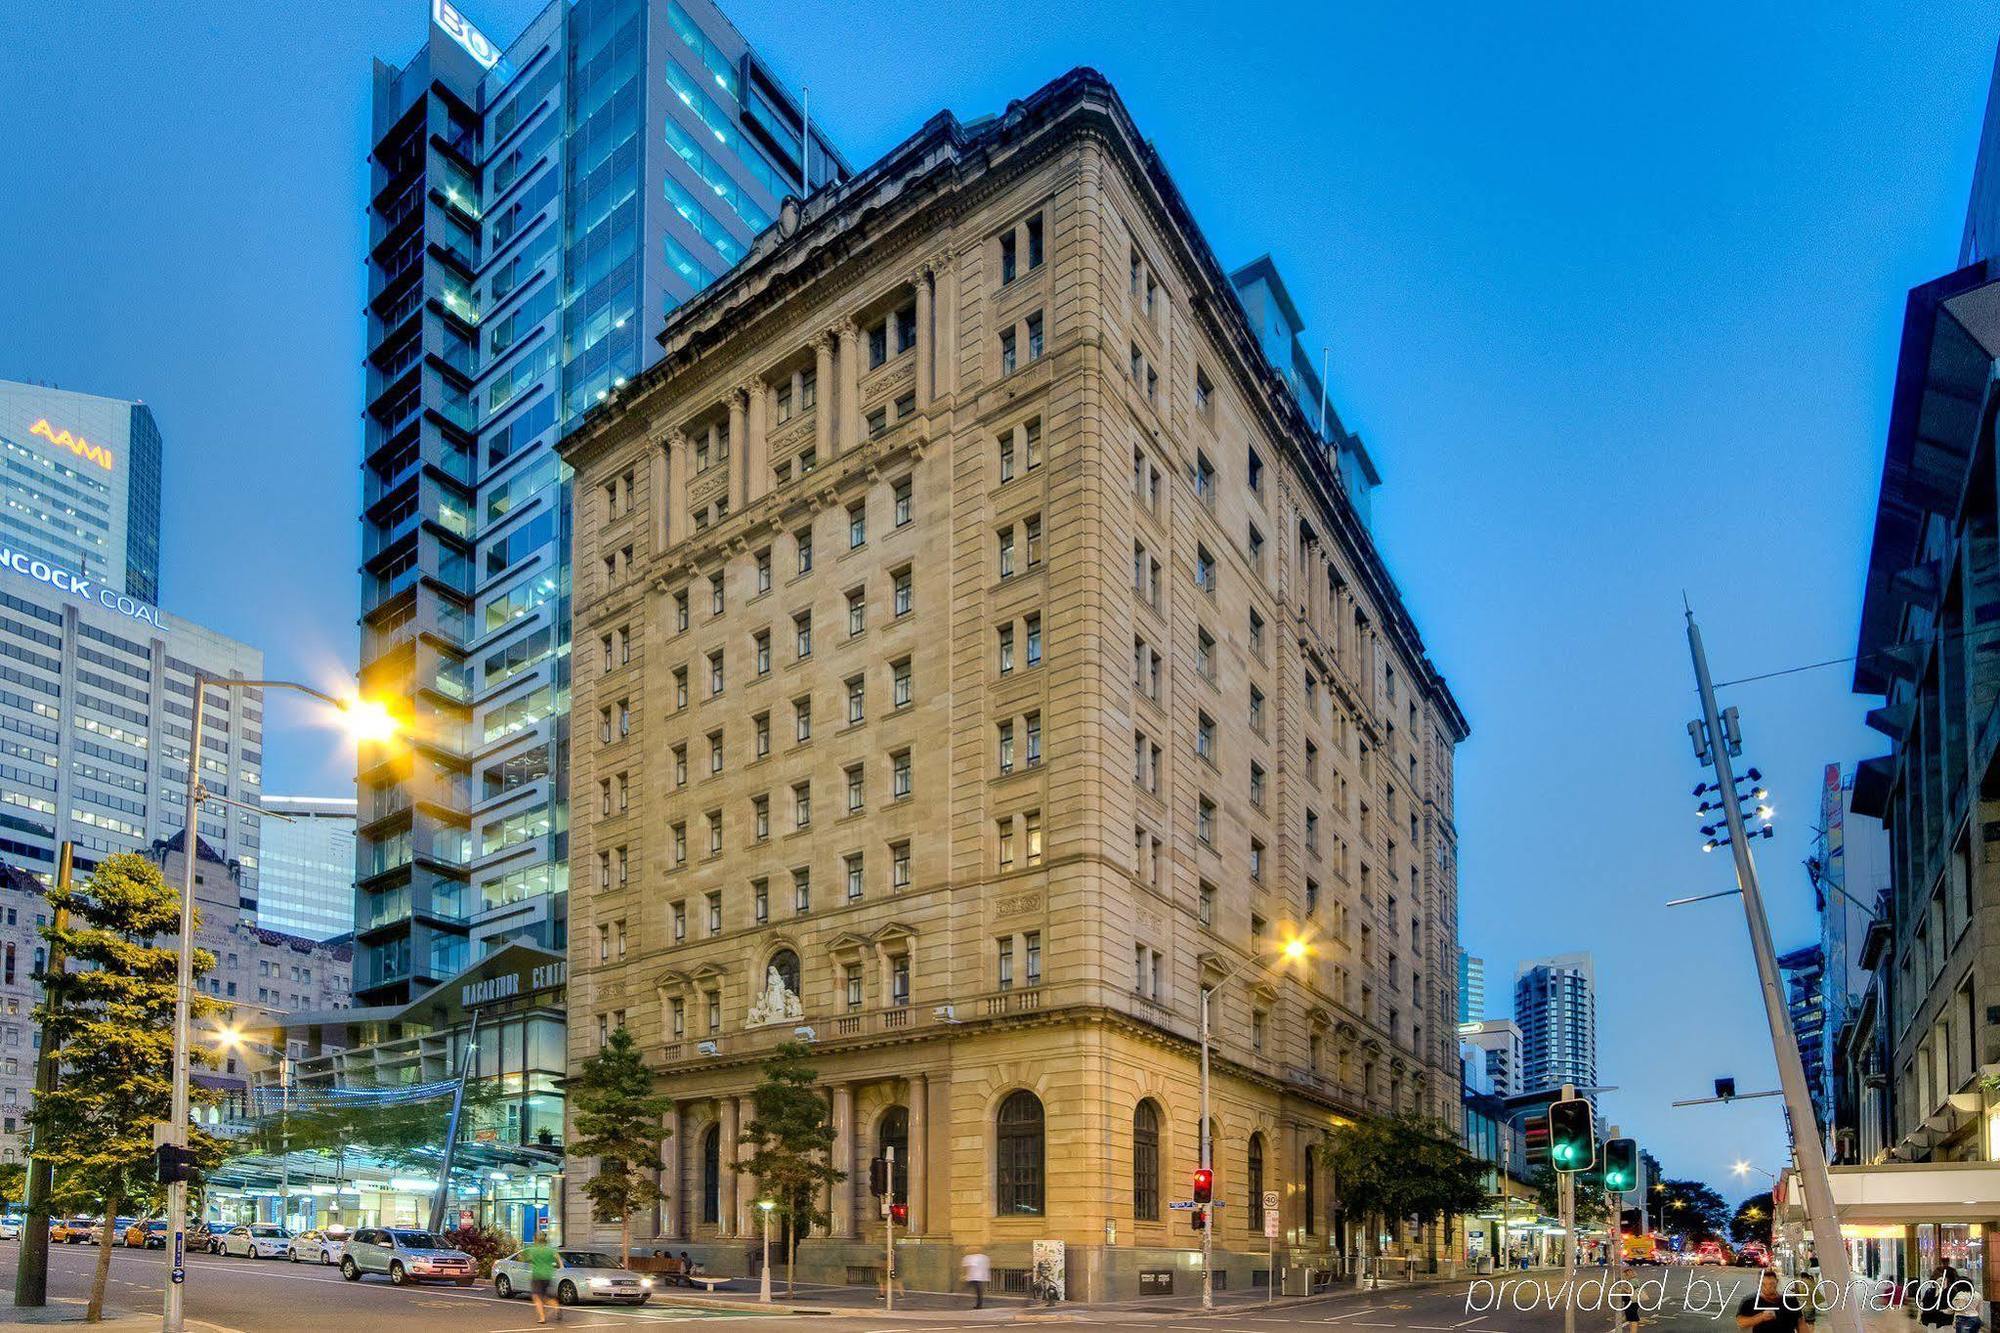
(255, 1296)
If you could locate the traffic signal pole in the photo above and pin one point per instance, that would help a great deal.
(31, 1269)
(1208, 1220)
(1568, 1181)
(1806, 1149)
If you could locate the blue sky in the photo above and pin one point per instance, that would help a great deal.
(1612, 292)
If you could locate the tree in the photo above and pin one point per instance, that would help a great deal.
(13, 1183)
(790, 1135)
(1402, 1166)
(1752, 1220)
(1691, 1210)
(617, 1117)
(1590, 1205)
(110, 1020)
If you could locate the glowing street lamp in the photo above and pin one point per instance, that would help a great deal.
(366, 721)
(765, 1206)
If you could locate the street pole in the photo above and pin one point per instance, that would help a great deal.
(1207, 1222)
(1614, 1254)
(31, 1270)
(764, 1269)
(889, 1233)
(1806, 1149)
(1568, 1181)
(285, 1136)
(173, 1316)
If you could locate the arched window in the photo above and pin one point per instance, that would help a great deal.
(1017, 1143)
(1255, 1178)
(711, 1174)
(1146, 1162)
(787, 964)
(895, 1133)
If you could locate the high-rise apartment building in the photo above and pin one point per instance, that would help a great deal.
(307, 882)
(1019, 671)
(1471, 988)
(532, 209)
(80, 487)
(1555, 1006)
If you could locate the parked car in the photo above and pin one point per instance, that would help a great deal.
(581, 1275)
(404, 1255)
(118, 1225)
(10, 1228)
(261, 1240)
(147, 1235)
(320, 1247)
(69, 1230)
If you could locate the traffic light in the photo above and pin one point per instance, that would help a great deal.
(899, 1213)
(878, 1176)
(1572, 1137)
(1204, 1184)
(1725, 1089)
(175, 1163)
(1535, 1133)
(1621, 1165)
(1198, 1219)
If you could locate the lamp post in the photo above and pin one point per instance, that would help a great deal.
(1294, 949)
(765, 1206)
(367, 721)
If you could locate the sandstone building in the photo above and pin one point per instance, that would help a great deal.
(976, 657)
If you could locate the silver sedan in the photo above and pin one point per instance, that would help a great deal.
(581, 1275)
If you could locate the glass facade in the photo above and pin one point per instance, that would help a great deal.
(532, 221)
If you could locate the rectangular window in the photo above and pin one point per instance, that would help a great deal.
(852, 982)
(802, 805)
(856, 700)
(760, 900)
(803, 541)
(1035, 336)
(1033, 626)
(1009, 357)
(905, 508)
(857, 526)
(1005, 969)
(1035, 241)
(802, 635)
(802, 719)
(899, 769)
(903, 590)
(802, 890)
(855, 876)
(857, 612)
(856, 789)
(901, 682)
(1032, 724)
(899, 865)
(1008, 258)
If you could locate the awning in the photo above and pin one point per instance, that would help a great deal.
(1912, 1192)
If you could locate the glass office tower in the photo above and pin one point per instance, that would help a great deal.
(535, 212)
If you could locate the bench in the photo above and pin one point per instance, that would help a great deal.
(708, 1281)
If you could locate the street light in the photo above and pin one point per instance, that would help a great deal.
(1292, 950)
(367, 721)
(765, 1206)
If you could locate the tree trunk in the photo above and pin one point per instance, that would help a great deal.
(95, 1310)
(625, 1239)
(791, 1261)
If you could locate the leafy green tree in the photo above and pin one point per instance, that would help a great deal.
(791, 1137)
(1691, 1210)
(617, 1117)
(110, 1018)
(13, 1183)
(1752, 1220)
(1590, 1203)
(1405, 1166)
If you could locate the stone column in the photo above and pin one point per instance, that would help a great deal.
(656, 476)
(826, 400)
(919, 1201)
(850, 385)
(677, 487)
(725, 1214)
(756, 456)
(669, 1208)
(739, 407)
(925, 342)
(747, 1185)
(843, 1159)
(945, 272)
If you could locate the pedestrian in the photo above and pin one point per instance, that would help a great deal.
(541, 1257)
(1934, 1302)
(1768, 1310)
(977, 1270)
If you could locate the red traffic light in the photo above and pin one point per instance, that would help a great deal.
(1204, 1184)
(899, 1213)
